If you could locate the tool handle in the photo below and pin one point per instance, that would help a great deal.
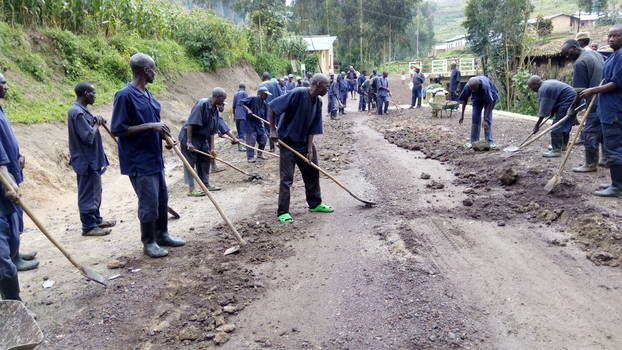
(40, 226)
(222, 161)
(110, 133)
(196, 177)
(251, 147)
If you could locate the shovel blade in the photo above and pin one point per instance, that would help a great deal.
(511, 149)
(93, 275)
(552, 183)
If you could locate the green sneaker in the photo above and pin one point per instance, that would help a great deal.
(196, 193)
(213, 188)
(322, 208)
(285, 218)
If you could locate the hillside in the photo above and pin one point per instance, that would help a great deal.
(449, 14)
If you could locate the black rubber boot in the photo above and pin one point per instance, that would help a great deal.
(556, 142)
(615, 189)
(9, 288)
(28, 256)
(24, 265)
(591, 160)
(333, 115)
(163, 238)
(566, 139)
(271, 145)
(603, 157)
(150, 247)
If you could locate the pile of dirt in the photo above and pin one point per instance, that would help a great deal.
(336, 153)
(186, 302)
(502, 189)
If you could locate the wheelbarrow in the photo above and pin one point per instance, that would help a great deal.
(18, 330)
(447, 106)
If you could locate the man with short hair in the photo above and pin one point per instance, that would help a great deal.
(587, 72)
(554, 98)
(610, 112)
(10, 212)
(88, 159)
(351, 76)
(484, 94)
(343, 93)
(418, 79)
(291, 84)
(362, 95)
(594, 46)
(199, 133)
(334, 98)
(454, 82)
(274, 90)
(382, 88)
(136, 122)
(254, 129)
(301, 121)
(239, 114)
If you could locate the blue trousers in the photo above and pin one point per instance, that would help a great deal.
(416, 97)
(383, 104)
(362, 101)
(89, 199)
(612, 140)
(252, 138)
(592, 132)
(200, 163)
(476, 123)
(9, 244)
(152, 196)
(238, 128)
(564, 127)
(332, 103)
(344, 99)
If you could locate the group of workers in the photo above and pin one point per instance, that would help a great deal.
(293, 118)
(373, 92)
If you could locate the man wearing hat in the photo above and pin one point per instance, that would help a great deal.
(254, 130)
(584, 40)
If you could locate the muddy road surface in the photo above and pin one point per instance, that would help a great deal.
(450, 257)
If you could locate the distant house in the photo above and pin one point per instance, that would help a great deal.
(587, 19)
(562, 23)
(323, 44)
(455, 43)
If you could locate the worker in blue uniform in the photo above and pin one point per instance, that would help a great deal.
(382, 88)
(239, 114)
(343, 93)
(362, 95)
(351, 78)
(610, 112)
(484, 94)
(255, 130)
(334, 99)
(554, 98)
(136, 122)
(454, 82)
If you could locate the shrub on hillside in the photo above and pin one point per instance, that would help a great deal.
(272, 64)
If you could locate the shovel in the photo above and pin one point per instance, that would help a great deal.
(251, 176)
(86, 271)
(516, 148)
(170, 210)
(196, 177)
(556, 179)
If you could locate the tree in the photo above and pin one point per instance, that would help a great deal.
(496, 32)
(544, 27)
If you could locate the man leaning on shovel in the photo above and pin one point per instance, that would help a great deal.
(300, 122)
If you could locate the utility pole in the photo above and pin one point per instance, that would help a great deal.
(417, 30)
(360, 32)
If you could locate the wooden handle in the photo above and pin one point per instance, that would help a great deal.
(40, 226)
(222, 161)
(196, 177)
(110, 133)
(251, 147)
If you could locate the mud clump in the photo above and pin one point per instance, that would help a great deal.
(425, 176)
(481, 146)
(508, 177)
(435, 185)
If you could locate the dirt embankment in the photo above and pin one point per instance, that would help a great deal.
(45, 145)
(504, 189)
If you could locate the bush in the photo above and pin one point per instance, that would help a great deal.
(311, 62)
(272, 64)
(544, 27)
(525, 99)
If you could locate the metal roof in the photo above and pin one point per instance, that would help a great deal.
(319, 42)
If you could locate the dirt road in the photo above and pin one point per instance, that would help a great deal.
(419, 271)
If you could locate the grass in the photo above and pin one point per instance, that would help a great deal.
(42, 67)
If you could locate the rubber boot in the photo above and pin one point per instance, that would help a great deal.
(566, 139)
(24, 265)
(9, 288)
(556, 142)
(28, 256)
(333, 115)
(603, 157)
(150, 247)
(163, 238)
(615, 189)
(272, 149)
(591, 160)
(343, 111)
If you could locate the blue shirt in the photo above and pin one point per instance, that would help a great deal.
(486, 95)
(139, 154)
(418, 79)
(343, 87)
(454, 79)
(85, 143)
(9, 157)
(204, 120)
(554, 96)
(289, 86)
(610, 104)
(238, 111)
(588, 70)
(259, 108)
(302, 117)
(360, 82)
(351, 75)
(333, 90)
(382, 86)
